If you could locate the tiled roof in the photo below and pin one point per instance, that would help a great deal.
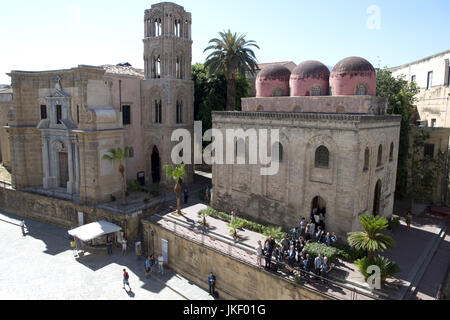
(124, 70)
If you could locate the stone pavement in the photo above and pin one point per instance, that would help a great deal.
(42, 266)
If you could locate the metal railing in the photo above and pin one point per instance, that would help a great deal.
(353, 292)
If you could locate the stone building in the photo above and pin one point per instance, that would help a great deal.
(62, 122)
(336, 153)
(6, 97)
(432, 75)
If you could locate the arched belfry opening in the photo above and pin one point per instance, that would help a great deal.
(156, 165)
(377, 199)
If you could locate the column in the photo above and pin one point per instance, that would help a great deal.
(70, 184)
(46, 164)
(77, 168)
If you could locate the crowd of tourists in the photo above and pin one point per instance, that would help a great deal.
(291, 249)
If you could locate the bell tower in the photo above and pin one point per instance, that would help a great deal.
(167, 89)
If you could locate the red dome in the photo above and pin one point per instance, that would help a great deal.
(310, 78)
(353, 76)
(273, 81)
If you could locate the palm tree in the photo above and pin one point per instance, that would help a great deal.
(372, 240)
(121, 156)
(176, 174)
(231, 55)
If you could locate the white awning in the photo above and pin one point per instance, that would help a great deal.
(94, 230)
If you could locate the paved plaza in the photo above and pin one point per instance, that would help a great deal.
(42, 266)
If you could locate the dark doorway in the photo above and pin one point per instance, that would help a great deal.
(319, 208)
(376, 199)
(156, 166)
(63, 169)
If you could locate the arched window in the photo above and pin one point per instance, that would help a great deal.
(277, 92)
(391, 153)
(157, 67)
(366, 159)
(131, 152)
(158, 111)
(361, 90)
(322, 159)
(280, 151)
(179, 111)
(157, 27)
(380, 156)
(316, 90)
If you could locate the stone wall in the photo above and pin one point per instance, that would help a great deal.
(235, 279)
(346, 187)
(62, 213)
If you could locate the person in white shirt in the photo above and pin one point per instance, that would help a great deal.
(22, 226)
(259, 253)
(124, 246)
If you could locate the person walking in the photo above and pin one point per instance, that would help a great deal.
(409, 219)
(318, 262)
(126, 278)
(207, 194)
(148, 266)
(233, 216)
(212, 284)
(124, 246)
(109, 245)
(153, 262)
(161, 264)
(22, 226)
(307, 265)
(302, 226)
(259, 254)
(267, 254)
(291, 258)
(326, 268)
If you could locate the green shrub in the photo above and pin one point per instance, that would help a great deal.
(314, 248)
(154, 190)
(388, 268)
(134, 186)
(275, 232)
(350, 254)
(394, 223)
(146, 200)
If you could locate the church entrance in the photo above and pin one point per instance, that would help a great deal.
(63, 169)
(156, 166)
(319, 211)
(377, 199)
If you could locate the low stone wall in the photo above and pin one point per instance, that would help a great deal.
(62, 213)
(235, 279)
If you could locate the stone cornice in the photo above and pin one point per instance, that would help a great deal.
(306, 116)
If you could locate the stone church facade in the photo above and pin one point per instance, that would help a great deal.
(62, 122)
(337, 153)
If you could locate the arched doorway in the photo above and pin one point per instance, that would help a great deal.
(319, 211)
(377, 199)
(156, 166)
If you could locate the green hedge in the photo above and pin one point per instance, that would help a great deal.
(314, 248)
(350, 254)
(275, 232)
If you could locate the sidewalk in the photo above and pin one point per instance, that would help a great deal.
(42, 266)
